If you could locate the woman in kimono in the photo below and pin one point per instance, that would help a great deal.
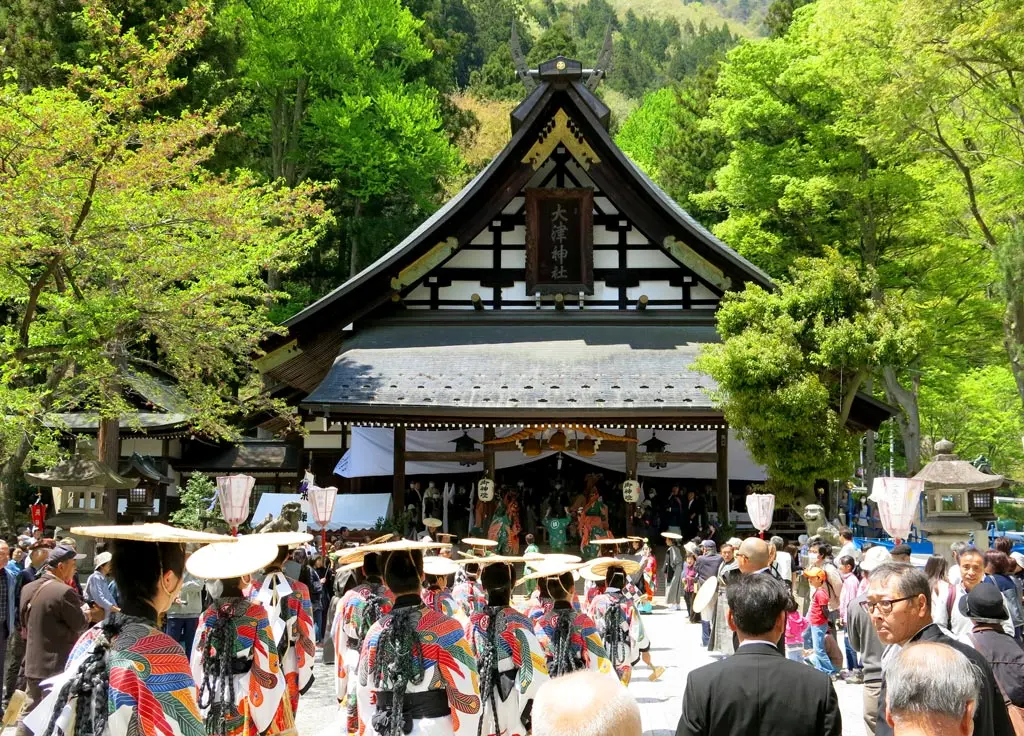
(435, 594)
(618, 620)
(673, 570)
(649, 568)
(508, 655)
(242, 689)
(141, 673)
(417, 673)
(291, 615)
(570, 639)
(469, 594)
(359, 609)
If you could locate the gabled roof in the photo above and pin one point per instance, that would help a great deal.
(469, 211)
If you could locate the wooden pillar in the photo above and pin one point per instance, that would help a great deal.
(631, 475)
(722, 475)
(489, 464)
(398, 480)
(108, 451)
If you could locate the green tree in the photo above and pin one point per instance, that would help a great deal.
(791, 362)
(118, 248)
(198, 509)
(556, 40)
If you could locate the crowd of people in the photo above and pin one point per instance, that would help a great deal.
(176, 632)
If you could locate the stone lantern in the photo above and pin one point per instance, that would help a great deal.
(958, 500)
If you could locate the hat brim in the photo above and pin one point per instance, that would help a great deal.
(286, 539)
(965, 611)
(551, 571)
(490, 560)
(436, 565)
(152, 532)
(628, 566)
(671, 535)
(351, 566)
(225, 560)
(587, 572)
(478, 542)
(399, 545)
(616, 540)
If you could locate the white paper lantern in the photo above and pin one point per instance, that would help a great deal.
(321, 504)
(485, 490)
(897, 500)
(631, 491)
(761, 507)
(233, 492)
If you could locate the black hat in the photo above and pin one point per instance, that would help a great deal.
(901, 549)
(984, 603)
(60, 554)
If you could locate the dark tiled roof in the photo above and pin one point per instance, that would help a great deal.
(255, 455)
(496, 367)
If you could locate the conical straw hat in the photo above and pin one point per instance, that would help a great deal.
(154, 532)
(223, 560)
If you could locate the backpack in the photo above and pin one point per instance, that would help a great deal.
(834, 585)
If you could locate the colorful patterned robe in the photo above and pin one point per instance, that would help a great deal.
(260, 692)
(593, 525)
(440, 601)
(519, 652)
(448, 664)
(469, 596)
(535, 607)
(504, 527)
(291, 619)
(346, 625)
(585, 641)
(633, 636)
(593, 590)
(151, 692)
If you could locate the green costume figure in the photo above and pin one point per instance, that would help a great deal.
(557, 527)
(531, 585)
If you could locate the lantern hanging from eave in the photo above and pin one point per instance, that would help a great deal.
(321, 506)
(532, 447)
(654, 445)
(586, 447)
(233, 493)
(558, 441)
(761, 507)
(465, 443)
(631, 491)
(485, 490)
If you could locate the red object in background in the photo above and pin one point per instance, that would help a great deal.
(38, 511)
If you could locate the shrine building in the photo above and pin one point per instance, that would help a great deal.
(555, 305)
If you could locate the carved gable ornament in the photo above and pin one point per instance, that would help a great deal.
(561, 129)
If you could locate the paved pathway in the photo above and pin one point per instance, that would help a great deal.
(676, 646)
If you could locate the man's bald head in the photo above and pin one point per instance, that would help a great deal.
(933, 688)
(753, 555)
(585, 704)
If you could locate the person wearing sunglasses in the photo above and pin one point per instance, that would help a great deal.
(899, 602)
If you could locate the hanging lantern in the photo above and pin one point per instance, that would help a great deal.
(485, 490)
(321, 506)
(654, 445)
(631, 491)
(233, 493)
(586, 447)
(532, 447)
(38, 511)
(897, 500)
(761, 506)
(558, 441)
(465, 443)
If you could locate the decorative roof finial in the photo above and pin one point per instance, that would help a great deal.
(604, 62)
(519, 59)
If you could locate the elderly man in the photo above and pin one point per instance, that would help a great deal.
(899, 602)
(758, 690)
(585, 704)
(755, 557)
(972, 573)
(14, 661)
(985, 608)
(707, 566)
(865, 640)
(935, 690)
(783, 565)
(956, 549)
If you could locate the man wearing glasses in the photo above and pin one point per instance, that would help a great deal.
(899, 602)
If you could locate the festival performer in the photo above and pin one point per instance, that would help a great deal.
(504, 527)
(649, 568)
(673, 570)
(140, 676)
(360, 608)
(509, 657)
(619, 622)
(592, 519)
(569, 638)
(242, 690)
(557, 526)
(531, 554)
(291, 615)
(417, 673)
(469, 595)
(435, 594)
(595, 584)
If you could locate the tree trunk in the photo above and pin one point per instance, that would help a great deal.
(353, 241)
(12, 468)
(108, 450)
(909, 417)
(1013, 327)
(870, 467)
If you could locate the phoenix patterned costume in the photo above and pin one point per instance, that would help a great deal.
(151, 691)
(291, 620)
(259, 687)
(439, 600)
(622, 630)
(350, 626)
(443, 668)
(470, 597)
(520, 668)
(587, 649)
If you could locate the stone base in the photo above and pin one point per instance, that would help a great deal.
(944, 531)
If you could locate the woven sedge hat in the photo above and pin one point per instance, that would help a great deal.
(224, 560)
(671, 535)
(435, 565)
(286, 539)
(561, 557)
(616, 540)
(431, 523)
(154, 532)
(587, 572)
(351, 566)
(478, 542)
(490, 560)
(628, 566)
(399, 545)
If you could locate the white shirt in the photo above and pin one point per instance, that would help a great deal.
(849, 549)
(784, 566)
(954, 575)
(772, 644)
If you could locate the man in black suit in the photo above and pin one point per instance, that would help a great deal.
(757, 690)
(899, 601)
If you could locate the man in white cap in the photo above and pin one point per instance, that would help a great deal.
(865, 641)
(97, 587)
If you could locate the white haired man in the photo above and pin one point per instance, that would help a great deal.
(585, 704)
(933, 689)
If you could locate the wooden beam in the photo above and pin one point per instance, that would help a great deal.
(631, 454)
(446, 457)
(677, 457)
(398, 479)
(722, 476)
(489, 466)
